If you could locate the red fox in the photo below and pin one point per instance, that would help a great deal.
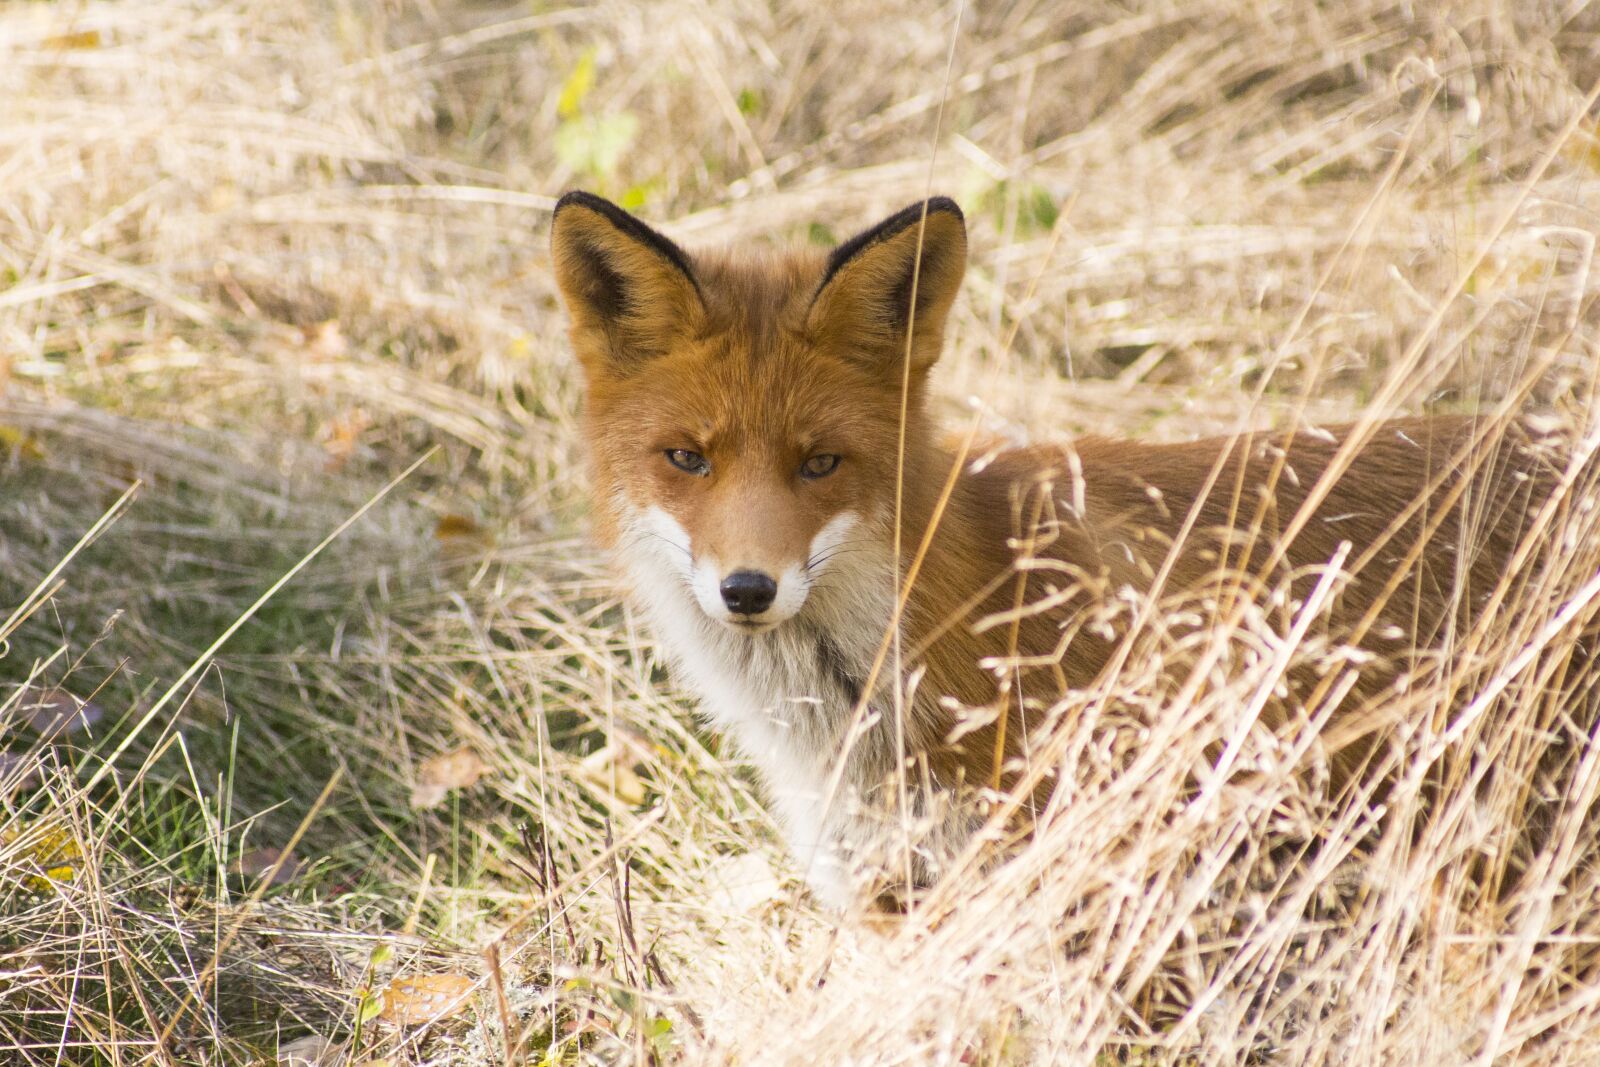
(765, 471)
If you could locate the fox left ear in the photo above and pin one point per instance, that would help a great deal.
(629, 290)
(900, 276)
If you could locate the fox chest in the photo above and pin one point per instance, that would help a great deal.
(787, 698)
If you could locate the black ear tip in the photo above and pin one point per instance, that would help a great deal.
(946, 205)
(904, 219)
(625, 223)
(580, 198)
(912, 214)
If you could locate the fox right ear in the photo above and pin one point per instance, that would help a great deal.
(886, 292)
(629, 291)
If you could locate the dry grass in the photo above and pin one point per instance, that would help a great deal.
(257, 259)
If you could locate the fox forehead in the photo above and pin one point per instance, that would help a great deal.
(724, 392)
(752, 377)
(750, 313)
(757, 293)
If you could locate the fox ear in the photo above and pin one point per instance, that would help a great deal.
(864, 304)
(629, 291)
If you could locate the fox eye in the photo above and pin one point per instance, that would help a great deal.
(819, 466)
(685, 460)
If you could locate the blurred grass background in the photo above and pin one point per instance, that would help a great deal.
(257, 259)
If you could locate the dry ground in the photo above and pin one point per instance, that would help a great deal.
(258, 259)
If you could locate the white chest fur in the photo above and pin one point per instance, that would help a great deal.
(789, 697)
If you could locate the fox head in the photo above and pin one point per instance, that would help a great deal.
(744, 411)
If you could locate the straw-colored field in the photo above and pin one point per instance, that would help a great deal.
(266, 268)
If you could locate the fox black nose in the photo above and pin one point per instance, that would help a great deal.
(748, 592)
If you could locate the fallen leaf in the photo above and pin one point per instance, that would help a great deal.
(53, 850)
(20, 442)
(425, 998)
(258, 861)
(439, 774)
(54, 712)
(82, 40)
(610, 769)
(461, 538)
(741, 884)
(310, 1051)
(324, 340)
(341, 436)
(453, 527)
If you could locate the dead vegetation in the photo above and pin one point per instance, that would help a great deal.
(257, 260)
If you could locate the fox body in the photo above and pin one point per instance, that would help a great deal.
(765, 470)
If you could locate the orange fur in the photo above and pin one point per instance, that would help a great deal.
(755, 363)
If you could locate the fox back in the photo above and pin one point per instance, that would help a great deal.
(767, 476)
